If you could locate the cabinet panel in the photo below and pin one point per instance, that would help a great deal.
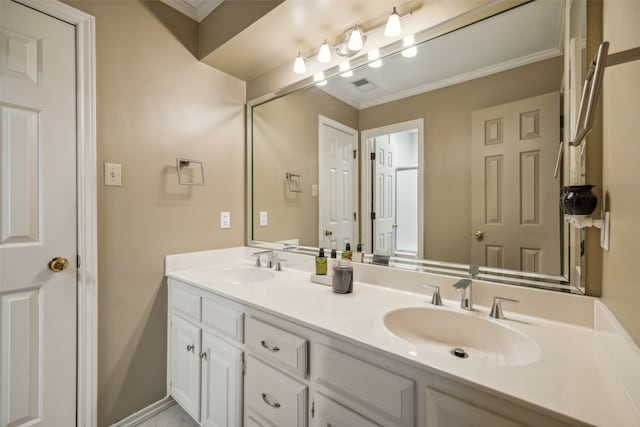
(327, 413)
(221, 383)
(369, 387)
(186, 301)
(276, 397)
(185, 365)
(223, 319)
(284, 348)
(444, 411)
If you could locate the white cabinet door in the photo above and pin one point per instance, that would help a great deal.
(221, 383)
(447, 411)
(185, 365)
(327, 413)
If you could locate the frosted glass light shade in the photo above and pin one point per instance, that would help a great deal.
(410, 52)
(318, 77)
(355, 40)
(324, 55)
(298, 65)
(393, 28)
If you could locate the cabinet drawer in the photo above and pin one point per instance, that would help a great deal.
(370, 390)
(186, 301)
(222, 319)
(279, 399)
(285, 349)
(327, 413)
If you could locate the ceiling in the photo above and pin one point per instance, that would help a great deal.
(194, 9)
(527, 34)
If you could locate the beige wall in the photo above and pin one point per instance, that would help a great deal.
(621, 174)
(155, 102)
(447, 145)
(285, 139)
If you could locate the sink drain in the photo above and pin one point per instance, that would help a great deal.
(459, 352)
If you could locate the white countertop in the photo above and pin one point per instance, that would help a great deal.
(573, 375)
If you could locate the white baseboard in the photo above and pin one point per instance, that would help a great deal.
(145, 413)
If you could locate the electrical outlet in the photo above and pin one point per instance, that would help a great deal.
(263, 219)
(225, 219)
(113, 174)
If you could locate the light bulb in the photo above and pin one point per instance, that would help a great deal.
(355, 40)
(344, 66)
(324, 55)
(410, 50)
(298, 65)
(373, 55)
(393, 28)
(318, 77)
(322, 83)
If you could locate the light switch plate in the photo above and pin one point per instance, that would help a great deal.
(113, 174)
(264, 219)
(225, 219)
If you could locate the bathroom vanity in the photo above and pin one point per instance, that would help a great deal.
(256, 347)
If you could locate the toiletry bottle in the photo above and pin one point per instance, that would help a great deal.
(347, 254)
(331, 262)
(342, 280)
(321, 263)
(358, 256)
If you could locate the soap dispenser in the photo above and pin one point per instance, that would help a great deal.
(347, 254)
(321, 263)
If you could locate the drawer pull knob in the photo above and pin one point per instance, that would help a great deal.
(190, 347)
(268, 402)
(273, 349)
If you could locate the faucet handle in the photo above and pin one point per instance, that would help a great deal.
(258, 263)
(435, 297)
(496, 308)
(279, 264)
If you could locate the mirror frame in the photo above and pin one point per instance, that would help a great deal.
(566, 282)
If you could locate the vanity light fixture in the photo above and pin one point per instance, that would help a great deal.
(374, 56)
(298, 65)
(355, 40)
(344, 67)
(393, 28)
(410, 50)
(324, 55)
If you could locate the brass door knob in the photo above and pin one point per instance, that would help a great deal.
(328, 232)
(478, 235)
(58, 264)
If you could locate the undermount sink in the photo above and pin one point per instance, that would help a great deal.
(240, 275)
(462, 335)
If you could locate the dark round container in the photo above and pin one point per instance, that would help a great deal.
(578, 200)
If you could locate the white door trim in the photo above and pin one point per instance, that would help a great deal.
(365, 160)
(87, 384)
(324, 120)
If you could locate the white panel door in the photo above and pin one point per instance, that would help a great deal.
(384, 196)
(37, 219)
(221, 383)
(338, 180)
(515, 198)
(185, 365)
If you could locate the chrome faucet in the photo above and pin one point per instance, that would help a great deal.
(466, 300)
(270, 257)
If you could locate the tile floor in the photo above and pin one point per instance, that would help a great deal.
(173, 416)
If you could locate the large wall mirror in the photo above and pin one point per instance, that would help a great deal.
(442, 156)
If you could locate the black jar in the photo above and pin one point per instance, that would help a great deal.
(578, 200)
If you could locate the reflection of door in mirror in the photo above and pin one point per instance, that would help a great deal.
(394, 201)
(338, 185)
(515, 209)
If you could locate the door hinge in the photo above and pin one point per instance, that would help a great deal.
(373, 156)
(355, 216)
(244, 365)
(373, 215)
(78, 261)
(313, 408)
(355, 154)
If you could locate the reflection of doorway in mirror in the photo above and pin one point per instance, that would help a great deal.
(338, 184)
(515, 215)
(393, 185)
